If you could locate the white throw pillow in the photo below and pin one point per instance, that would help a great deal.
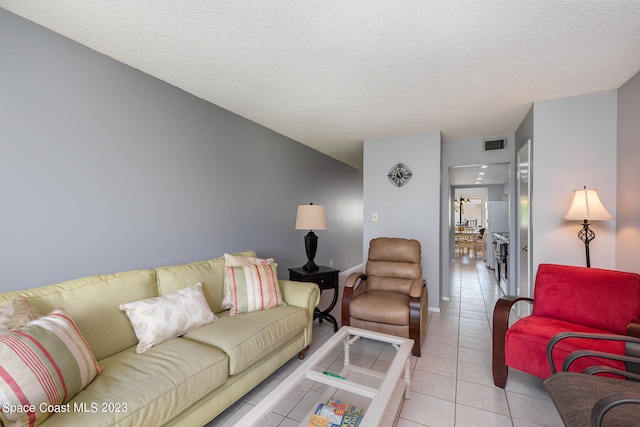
(231, 261)
(16, 314)
(159, 319)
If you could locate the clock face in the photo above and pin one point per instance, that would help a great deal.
(399, 175)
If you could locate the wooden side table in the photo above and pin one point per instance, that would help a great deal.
(325, 278)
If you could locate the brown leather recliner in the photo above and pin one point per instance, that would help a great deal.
(392, 296)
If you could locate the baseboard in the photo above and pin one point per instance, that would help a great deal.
(343, 275)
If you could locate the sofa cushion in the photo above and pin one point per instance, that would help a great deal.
(608, 299)
(249, 338)
(147, 389)
(92, 302)
(236, 261)
(391, 308)
(209, 272)
(526, 346)
(158, 319)
(16, 313)
(45, 362)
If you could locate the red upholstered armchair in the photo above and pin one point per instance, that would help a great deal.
(576, 299)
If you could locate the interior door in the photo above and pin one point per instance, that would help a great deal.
(525, 277)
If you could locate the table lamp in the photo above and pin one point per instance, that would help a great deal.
(311, 217)
(586, 206)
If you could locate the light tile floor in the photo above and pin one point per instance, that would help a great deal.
(451, 384)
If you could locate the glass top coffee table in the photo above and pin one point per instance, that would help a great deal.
(367, 370)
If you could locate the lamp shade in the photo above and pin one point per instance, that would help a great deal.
(586, 205)
(311, 217)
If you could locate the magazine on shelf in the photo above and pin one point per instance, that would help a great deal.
(335, 413)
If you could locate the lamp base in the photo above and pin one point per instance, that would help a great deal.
(586, 235)
(310, 246)
(310, 267)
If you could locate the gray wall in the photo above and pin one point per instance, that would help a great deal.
(628, 200)
(105, 169)
(411, 211)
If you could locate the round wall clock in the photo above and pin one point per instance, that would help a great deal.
(399, 175)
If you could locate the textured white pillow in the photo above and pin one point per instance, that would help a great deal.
(231, 261)
(16, 314)
(159, 319)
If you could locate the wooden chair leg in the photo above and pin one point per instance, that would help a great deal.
(500, 373)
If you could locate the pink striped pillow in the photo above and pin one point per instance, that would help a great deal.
(231, 261)
(254, 287)
(45, 361)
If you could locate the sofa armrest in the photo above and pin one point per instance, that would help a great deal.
(501, 313)
(305, 295)
(300, 294)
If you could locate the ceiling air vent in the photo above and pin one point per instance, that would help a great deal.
(495, 144)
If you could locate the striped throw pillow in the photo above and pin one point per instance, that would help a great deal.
(254, 288)
(45, 362)
(231, 261)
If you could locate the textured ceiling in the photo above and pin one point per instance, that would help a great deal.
(332, 73)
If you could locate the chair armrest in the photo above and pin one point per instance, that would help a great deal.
(582, 353)
(609, 402)
(501, 313)
(353, 280)
(500, 325)
(416, 288)
(572, 357)
(356, 282)
(633, 329)
(593, 370)
(503, 308)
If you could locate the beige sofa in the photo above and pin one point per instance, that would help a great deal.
(185, 381)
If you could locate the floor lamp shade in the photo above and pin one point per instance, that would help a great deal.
(586, 206)
(311, 217)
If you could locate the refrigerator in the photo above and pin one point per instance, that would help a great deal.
(497, 214)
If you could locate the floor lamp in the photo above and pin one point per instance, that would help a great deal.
(586, 206)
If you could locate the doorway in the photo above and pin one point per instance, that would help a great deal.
(485, 186)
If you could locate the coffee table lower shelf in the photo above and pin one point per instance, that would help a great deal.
(378, 392)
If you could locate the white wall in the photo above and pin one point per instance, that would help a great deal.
(628, 209)
(574, 145)
(411, 211)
